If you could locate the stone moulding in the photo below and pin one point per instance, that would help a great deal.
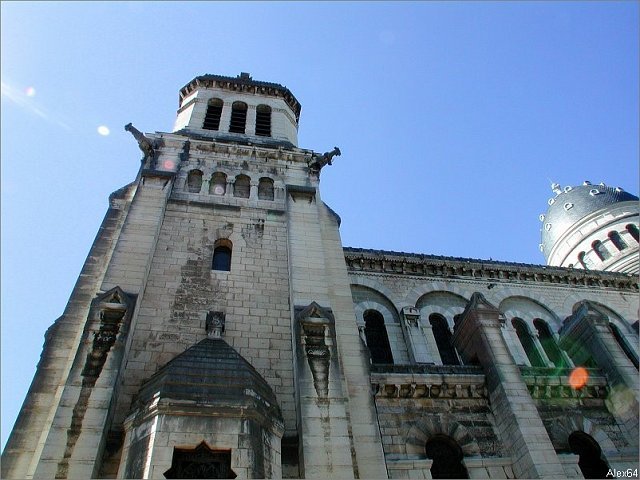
(361, 260)
(553, 383)
(436, 386)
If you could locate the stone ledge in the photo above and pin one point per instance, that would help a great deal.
(398, 263)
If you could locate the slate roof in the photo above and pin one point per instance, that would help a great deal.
(211, 373)
(575, 203)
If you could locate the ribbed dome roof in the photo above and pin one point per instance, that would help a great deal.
(571, 204)
(211, 373)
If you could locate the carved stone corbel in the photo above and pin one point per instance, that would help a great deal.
(315, 334)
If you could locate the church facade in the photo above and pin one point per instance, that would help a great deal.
(219, 329)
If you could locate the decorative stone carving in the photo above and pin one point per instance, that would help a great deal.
(318, 161)
(215, 324)
(145, 145)
(411, 316)
(315, 322)
(112, 310)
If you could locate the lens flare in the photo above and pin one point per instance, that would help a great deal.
(578, 378)
(168, 165)
(104, 131)
(621, 401)
(30, 92)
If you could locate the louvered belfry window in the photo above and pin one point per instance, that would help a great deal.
(212, 117)
(238, 117)
(263, 120)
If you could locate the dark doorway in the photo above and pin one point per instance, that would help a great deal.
(447, 457)
(591, 464)
(200, 462)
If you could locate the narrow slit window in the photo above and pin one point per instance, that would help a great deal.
(526, 340)
(549, 343)
(582, 260)
(212, 117)
(601, 251)
(442, 334)
(377, 339)
(238, 117)
(263, 120)
(617, 240)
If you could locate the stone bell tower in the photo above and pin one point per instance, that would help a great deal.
(212, 331)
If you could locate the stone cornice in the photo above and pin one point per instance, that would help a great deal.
(243, 83)
(554, 383)
(396, 263)
(430, 381)
(248, 150)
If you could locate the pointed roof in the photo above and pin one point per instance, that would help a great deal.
(211, 373)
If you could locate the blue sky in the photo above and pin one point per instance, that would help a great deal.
(452, 118)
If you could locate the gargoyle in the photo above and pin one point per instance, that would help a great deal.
(319, 161)
(145, 145)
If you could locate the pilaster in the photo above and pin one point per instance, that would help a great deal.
(478, 337)
(586, 334)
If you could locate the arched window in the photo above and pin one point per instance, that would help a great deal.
(617, 240)
(265, 189)
(238, 117)
(222, 256)
(242, 186)
(601, 251)
(590, 455)
(548, 342)
(582, 260)
(377, 339)
(447, 457)
(263, 120)
(633, 231)
(526, 340)
(218, 184)
(194, 181)
(623, 344)
(442, 334)
(212, 117)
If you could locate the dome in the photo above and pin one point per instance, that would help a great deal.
(572, 204)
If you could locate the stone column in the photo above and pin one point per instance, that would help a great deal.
(250, 128)
(586, 334)
(225, 117)
(478, 336)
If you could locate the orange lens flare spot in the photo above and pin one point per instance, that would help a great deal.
(168, 165)
(578, 378)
